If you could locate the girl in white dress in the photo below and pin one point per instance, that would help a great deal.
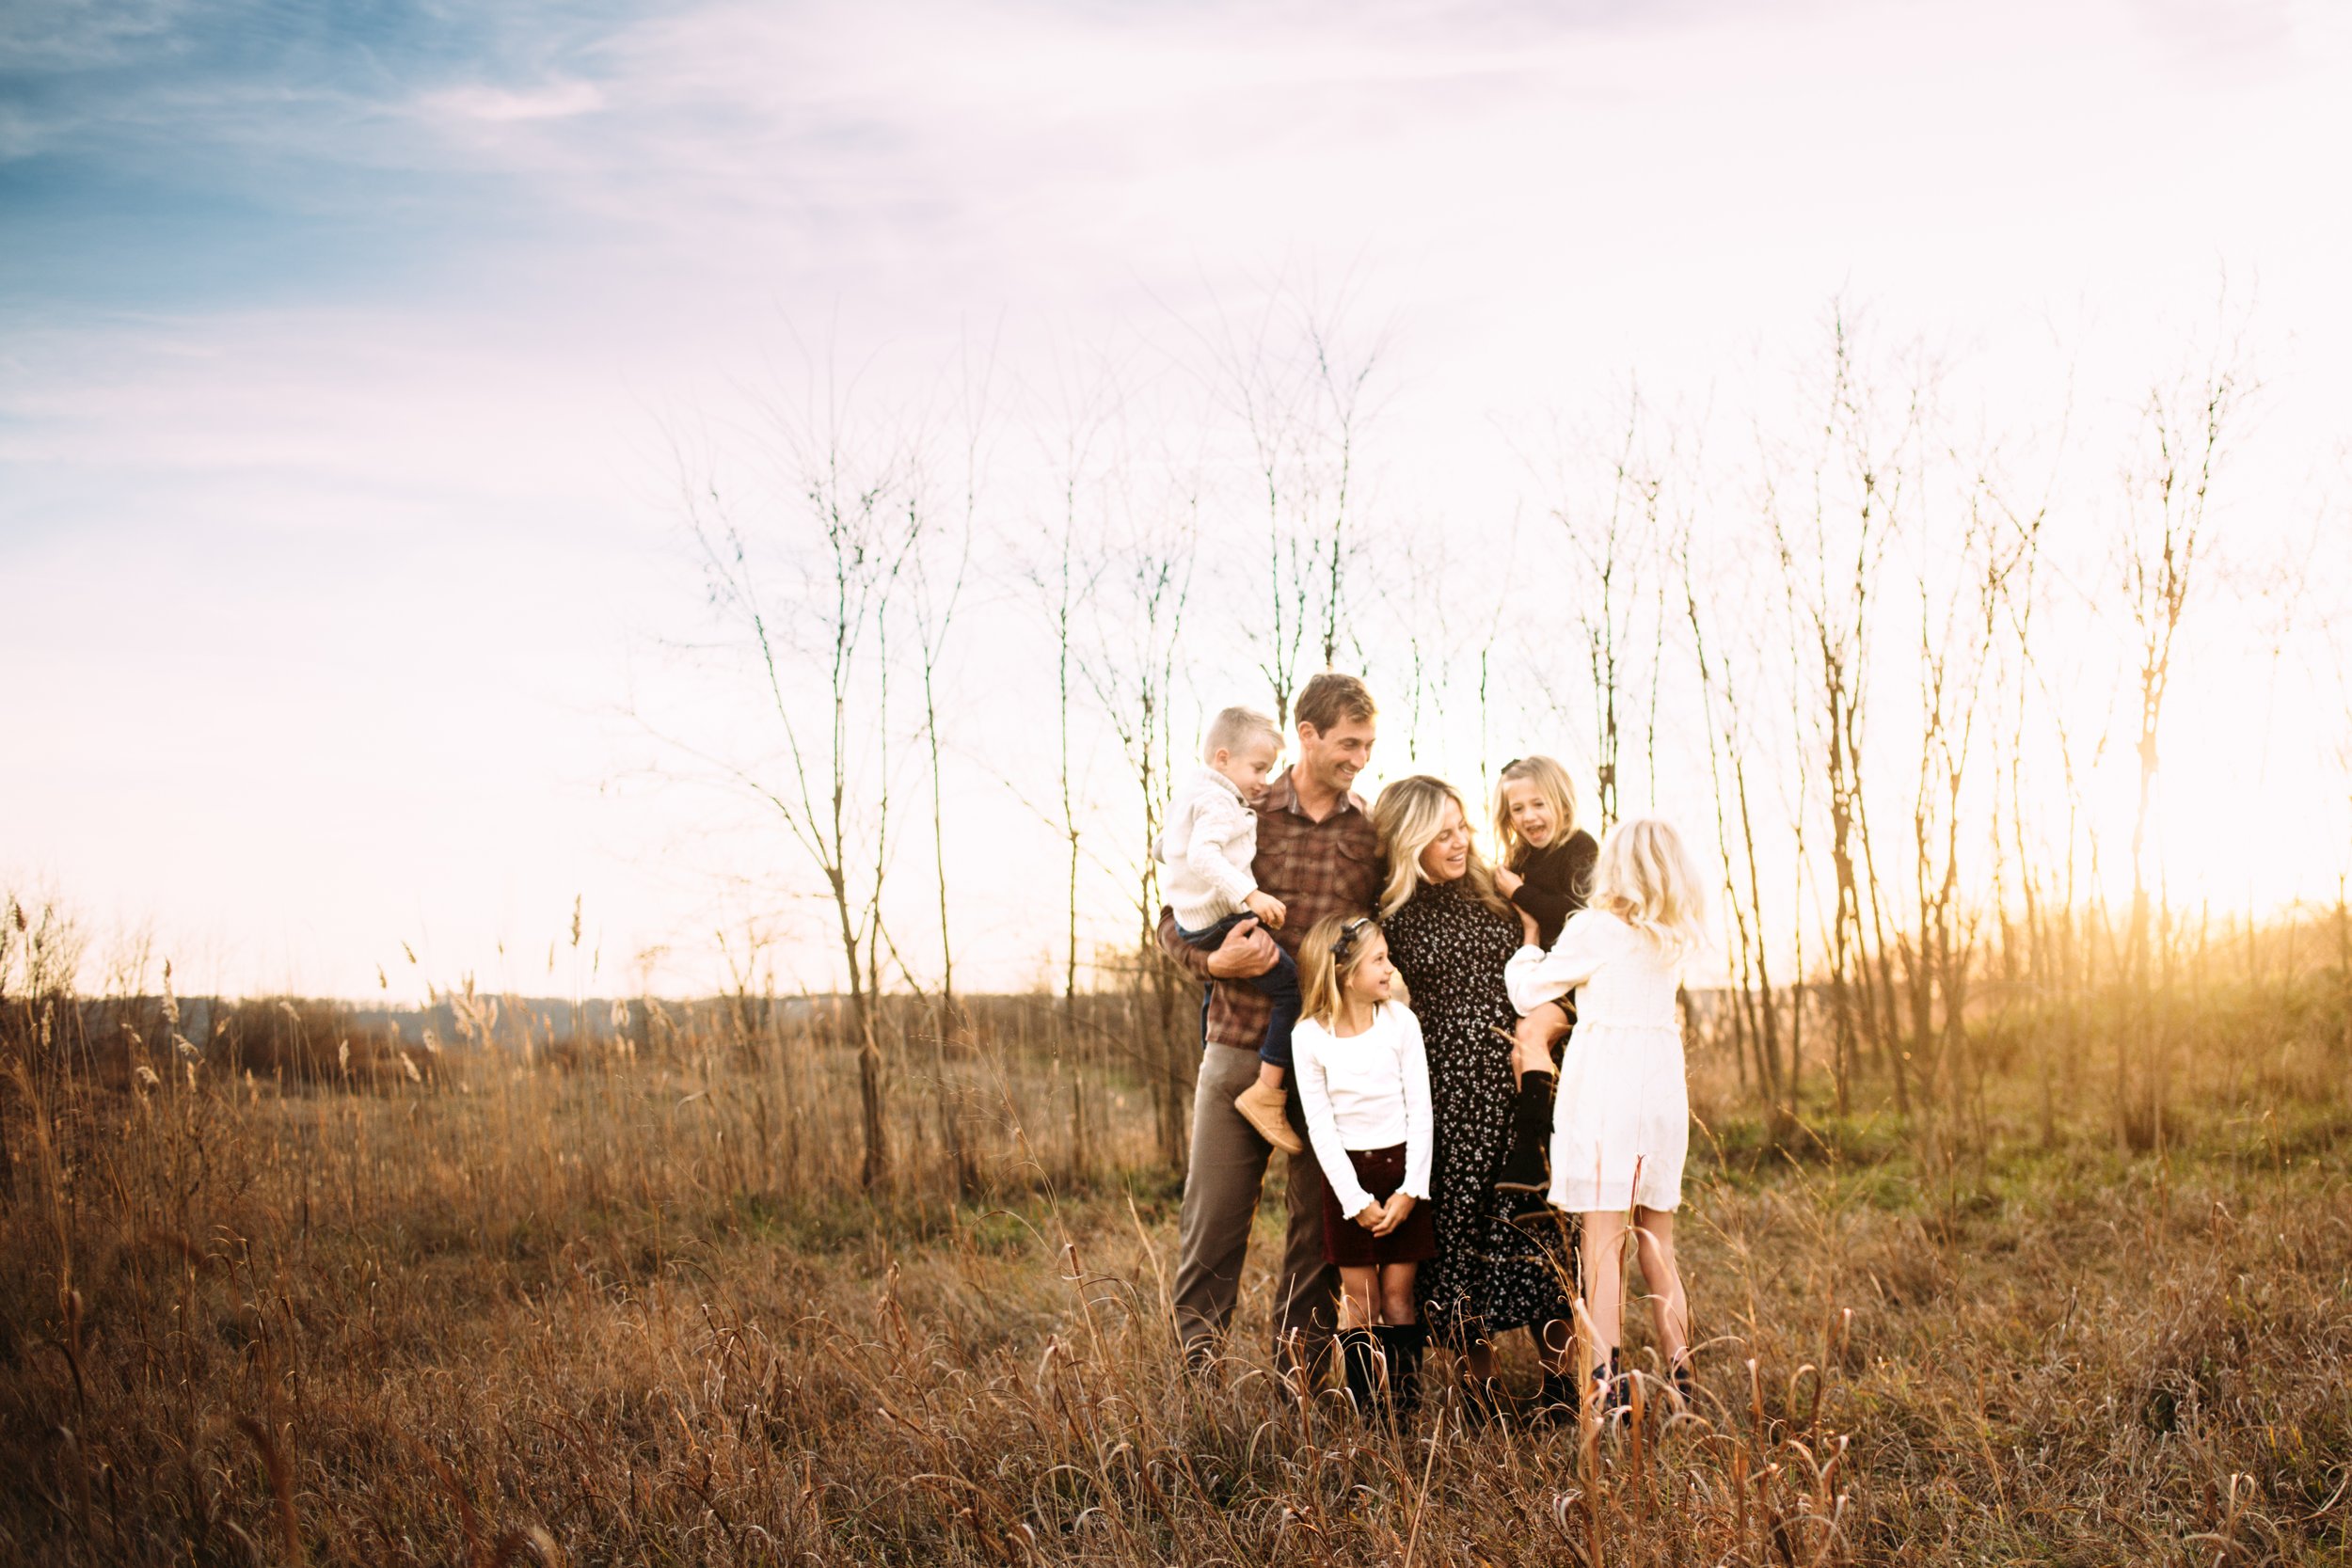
(1621, 1125)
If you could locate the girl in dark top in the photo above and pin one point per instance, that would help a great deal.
(1547, 871)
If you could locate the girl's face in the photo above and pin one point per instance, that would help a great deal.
(1531, 812)
(1447, 856)
(1368, 978)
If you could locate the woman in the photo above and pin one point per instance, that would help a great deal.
(1450, 935)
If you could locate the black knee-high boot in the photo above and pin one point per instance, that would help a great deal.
(1403, 1342)
(1360, 1359)
(1527, 1168)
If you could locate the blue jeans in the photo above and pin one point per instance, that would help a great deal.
(1279, 985)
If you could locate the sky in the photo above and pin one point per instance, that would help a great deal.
(345, 353)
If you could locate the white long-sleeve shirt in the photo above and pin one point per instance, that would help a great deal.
(1620, 976)
(1211, 838)
(1363, 1092)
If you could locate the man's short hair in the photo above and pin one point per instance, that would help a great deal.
(1232, 729)
(1331, 699)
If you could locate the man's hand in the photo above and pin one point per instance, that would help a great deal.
(1267, 908)
(1246, 953)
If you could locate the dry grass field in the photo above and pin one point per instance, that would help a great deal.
(626, 1305)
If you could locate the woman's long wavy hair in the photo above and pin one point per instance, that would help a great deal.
(1646, 878)
(1408, 815)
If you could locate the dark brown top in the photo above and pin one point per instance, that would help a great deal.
(1558, 878)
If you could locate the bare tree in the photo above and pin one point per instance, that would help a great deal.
(806, 583)
(1148, 546)
(2186, 428)
(1304, 385)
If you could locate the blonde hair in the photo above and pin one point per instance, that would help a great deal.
(1408, 815)
(1320, 976)
(1647, 879)
(1234, 728)
(1553, 783)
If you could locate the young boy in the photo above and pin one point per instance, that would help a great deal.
(1211, 838)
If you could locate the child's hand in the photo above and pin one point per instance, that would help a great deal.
(1396, 1212)
(1267, 908)
(1508, 882)
(1371, 1215)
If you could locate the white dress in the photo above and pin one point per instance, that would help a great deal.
(1621, 1123)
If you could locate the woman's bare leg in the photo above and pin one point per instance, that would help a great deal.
(1670, 1309)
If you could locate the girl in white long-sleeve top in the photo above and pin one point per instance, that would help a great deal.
(1621, 1125)
(1363, 1082)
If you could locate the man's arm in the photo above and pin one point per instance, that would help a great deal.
(1246, 952)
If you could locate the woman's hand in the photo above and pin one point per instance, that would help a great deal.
(1508, 882)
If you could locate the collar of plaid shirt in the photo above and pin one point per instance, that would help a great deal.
(1282, 795)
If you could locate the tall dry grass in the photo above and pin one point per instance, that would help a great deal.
(622, 1301)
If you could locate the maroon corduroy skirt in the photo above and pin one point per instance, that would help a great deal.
(1381, 1171)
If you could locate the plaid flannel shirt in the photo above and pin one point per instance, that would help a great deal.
(1315, 869)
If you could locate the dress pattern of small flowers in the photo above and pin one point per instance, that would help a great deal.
(1489, 1275)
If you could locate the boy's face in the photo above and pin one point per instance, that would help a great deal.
(1248, 767)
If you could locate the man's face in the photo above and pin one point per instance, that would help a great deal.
(1333, 757)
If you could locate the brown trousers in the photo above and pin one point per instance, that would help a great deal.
(1221, 1187)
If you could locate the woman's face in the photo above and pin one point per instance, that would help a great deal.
(1531, 812)
(1447, 856)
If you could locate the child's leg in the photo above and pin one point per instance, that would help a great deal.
(1396, 1293)
(1524, 1168)
(1604, 1276)
(1670, 1309)
(1263, 1103)
(1359, 1295)
(1531, 1042)
(1401, 1339)
(1279, 985)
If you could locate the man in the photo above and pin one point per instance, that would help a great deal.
(1319, 854)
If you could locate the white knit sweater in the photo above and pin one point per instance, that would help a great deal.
(1211, 838)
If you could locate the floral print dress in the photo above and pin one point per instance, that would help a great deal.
(1489, 1275)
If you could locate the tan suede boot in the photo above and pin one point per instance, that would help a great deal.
(1261, 1108)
